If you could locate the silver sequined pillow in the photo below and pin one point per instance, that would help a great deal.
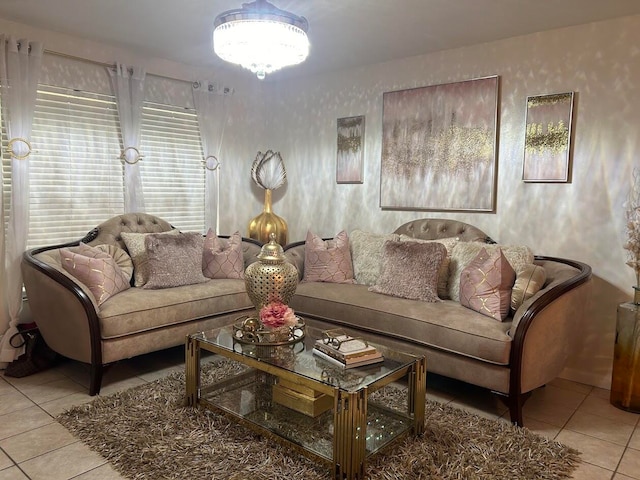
(174, 260)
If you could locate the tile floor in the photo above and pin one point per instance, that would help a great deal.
(33, 446)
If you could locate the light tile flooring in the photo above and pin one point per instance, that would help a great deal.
(34, 446)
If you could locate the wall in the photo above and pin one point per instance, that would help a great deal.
(582, 220)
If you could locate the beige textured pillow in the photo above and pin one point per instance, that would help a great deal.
(327, 261)
(464, 252)
(410, 270)
(443, 273)
(95, 269)
(174, 260)
(485, 284)
(220, 260)
(366, 253)
(135, 246)
(529, 280)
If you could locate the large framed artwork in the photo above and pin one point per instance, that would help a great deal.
(547, 141)
(439, 147)
(350, 156)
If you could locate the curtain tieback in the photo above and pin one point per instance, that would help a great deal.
(211, 163)
(135, 155)
(11, 150)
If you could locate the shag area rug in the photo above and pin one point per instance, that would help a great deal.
(147, 433)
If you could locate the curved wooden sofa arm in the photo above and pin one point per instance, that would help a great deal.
(555, 312)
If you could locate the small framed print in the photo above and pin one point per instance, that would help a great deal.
(547, 141)
(350, 156)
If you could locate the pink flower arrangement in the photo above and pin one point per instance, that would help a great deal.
(276, 315)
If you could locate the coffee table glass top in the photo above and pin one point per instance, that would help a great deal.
(299, 359)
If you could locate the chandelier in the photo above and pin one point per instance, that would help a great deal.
(261, 37)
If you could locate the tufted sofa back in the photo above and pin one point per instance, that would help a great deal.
(434, 228)
(109, 231)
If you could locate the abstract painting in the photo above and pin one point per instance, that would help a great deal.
(547, 142)
(439, 147)
(350, 157)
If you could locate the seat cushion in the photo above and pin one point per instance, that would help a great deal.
(138, 310)
(445, 325)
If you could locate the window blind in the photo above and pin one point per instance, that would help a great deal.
(171, 170)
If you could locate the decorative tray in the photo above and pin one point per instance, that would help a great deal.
(249, 330)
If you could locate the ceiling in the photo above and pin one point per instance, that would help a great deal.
(343, 33)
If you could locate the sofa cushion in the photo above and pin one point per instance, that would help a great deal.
(95, 269)
(445, 325)
(443, 273)
(366, 253)
(485, 284)
(327, 261)
(464, 252)
(138, 253)
(529, 280)
(222, 259)
(138, 310)
(174, 260)
(410, 270)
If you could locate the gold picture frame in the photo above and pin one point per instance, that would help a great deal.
(350, 153)
(548, 138)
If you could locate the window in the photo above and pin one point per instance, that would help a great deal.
(171, 170)
(75, 172)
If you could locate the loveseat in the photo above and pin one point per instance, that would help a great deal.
(134, 321)
(511, 357)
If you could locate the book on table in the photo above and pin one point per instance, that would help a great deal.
(352, 363)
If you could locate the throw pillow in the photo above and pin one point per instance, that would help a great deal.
(174, 260)
(220, 260)
(135, 246)
(443, 273)
(529, 280)
(122, 258)
(410, 270)
(485, 284)
(464, 252)
(327, 261)
(366, 252)
(95, 269)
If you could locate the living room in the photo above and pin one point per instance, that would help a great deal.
(296, 114)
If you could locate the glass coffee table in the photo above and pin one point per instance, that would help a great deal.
(326, 412)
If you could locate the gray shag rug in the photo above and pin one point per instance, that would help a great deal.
(147, 433)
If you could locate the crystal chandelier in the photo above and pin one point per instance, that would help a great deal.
(261, 37)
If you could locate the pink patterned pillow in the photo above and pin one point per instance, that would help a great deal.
(220, 260)
(327, 261)
(95, 269)
(486, 283)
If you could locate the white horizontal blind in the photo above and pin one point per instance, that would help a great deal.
(6, 174)
(75, 172)
(171, 170)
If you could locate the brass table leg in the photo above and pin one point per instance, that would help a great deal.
(192, 371)
(349, 434)
(417, 392)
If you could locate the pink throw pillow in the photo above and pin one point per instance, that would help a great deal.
(220, 260)
(97, 270)
(327, 261)
(486, 283)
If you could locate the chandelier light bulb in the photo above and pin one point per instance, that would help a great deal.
(261, 38)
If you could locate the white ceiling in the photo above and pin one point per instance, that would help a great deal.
(343, 33)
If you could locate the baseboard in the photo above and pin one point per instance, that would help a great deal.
(588, 378)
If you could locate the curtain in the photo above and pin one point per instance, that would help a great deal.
(128, 86)
(20, 62)
(211, 106)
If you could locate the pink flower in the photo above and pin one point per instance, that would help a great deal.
(277, 314)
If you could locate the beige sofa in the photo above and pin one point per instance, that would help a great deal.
(133, 322)
(511, 358)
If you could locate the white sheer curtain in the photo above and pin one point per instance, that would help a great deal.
(20, 62)
(128, 86)
(211, 106)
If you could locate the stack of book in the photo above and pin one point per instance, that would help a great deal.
(347, 352)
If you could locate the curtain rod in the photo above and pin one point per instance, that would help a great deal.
(110, 65)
